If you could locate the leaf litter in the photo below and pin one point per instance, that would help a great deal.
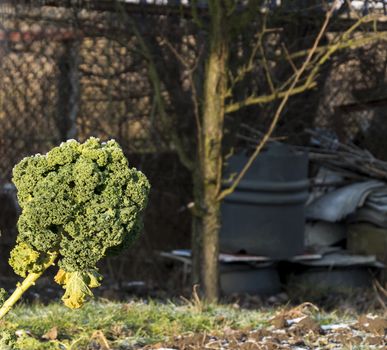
(157, 326)
(297, 329)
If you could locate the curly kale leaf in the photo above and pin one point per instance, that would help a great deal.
(77, 285)
(3, 297)
(80, 200)
(24, 259)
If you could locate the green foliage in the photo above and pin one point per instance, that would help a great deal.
(25, 259)
(26, 341)
(7, 340)
(80, 201)
(127, 326)
(138, 324)
(3, 296)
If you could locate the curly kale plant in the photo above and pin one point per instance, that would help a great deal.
(3, 296)
(80, 202)
(7, 340)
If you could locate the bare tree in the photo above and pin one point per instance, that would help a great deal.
(199, 70)
(236, 57)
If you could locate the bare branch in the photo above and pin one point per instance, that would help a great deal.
(349, 43)
(194, 96)
(268, 98)
(267, 69)
(156, 83)
(249, 66)
(243, 70)
(326, 52)
(279, 110)
(180, 58)
(292, 64)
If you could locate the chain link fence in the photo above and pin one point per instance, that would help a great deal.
(68, 73)
(73, 72)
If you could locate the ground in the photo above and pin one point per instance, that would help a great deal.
(189, 325)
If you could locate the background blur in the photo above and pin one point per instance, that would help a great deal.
(77, 71)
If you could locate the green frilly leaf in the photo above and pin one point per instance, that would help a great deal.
(3, 297)
(24, 259)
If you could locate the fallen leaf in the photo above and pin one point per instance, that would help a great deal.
(52, 334)
(101, 339)
(375, 341)
(374, 324)
(278, 321)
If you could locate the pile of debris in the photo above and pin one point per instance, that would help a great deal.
(298, 328)
(346, 217)
(347, 207)
(332, 237)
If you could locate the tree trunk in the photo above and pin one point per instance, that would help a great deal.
(197, 226)
(207, 181)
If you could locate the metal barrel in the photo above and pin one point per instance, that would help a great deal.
(265, 214)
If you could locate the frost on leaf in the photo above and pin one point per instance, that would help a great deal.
(81, 202)
(24, 259)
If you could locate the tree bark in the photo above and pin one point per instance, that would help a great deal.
(209, 167)
(197, 226)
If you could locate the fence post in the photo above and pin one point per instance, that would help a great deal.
(68, 90)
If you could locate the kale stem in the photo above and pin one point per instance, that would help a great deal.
(27, 283)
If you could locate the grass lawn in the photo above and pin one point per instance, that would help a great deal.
(108, 325)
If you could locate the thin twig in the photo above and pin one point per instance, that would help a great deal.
(249, 66)
(326, 52)
(267, 69)
(379, 286)
(378, 297)
(292, 64)
(194, 96)
(156, 84)
(180, 58)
